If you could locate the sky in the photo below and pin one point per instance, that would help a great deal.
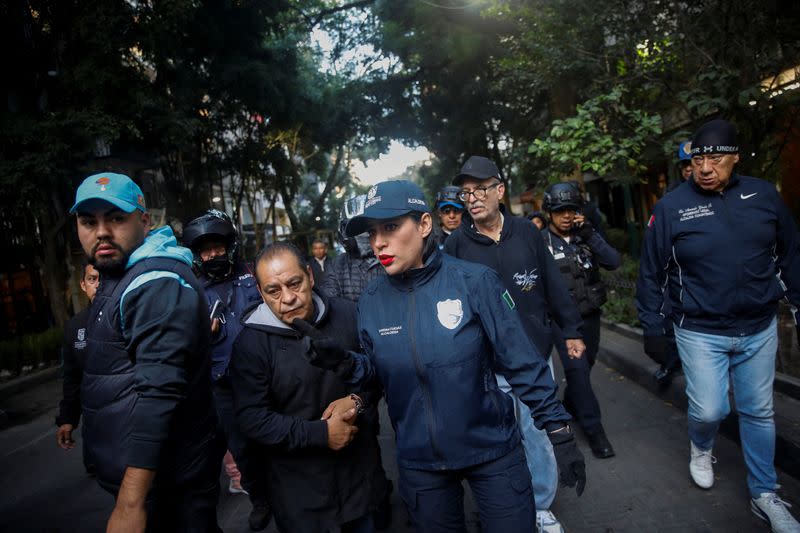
(399, 156)
(390, 164)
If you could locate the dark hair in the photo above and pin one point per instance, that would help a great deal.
(318, 240)
(429, 243)
(278, 248)
(85, 263)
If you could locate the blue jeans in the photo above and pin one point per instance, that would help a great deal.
(538, 451)
(707, 361)
(501, 488)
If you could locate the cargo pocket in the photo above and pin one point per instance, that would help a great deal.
(519, 478)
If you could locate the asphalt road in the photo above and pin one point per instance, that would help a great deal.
(646, 487)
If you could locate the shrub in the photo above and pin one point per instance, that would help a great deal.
(33, 349)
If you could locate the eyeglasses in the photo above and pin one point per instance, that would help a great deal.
(479, 193)
(715, 159)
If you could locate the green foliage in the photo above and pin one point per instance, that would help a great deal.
(621, 286)
(34, 350)
(605, 137)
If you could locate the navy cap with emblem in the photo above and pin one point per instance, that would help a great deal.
(387, 200)
(715, 137)
(478, 167)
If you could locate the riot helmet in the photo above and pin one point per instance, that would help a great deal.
(213, 225)
(560, 195)
(357, 246)
(449, 196)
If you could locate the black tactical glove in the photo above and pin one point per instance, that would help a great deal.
(584, 231)
(323, 351)
(571, 465)
(657, 348)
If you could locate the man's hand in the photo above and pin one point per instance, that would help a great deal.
(341, 430)
(215, 323)
(575, 348)
(127, 520)
(336, 407)
(657, 348)
(64, 436)
(582, 228)
(323, 351)
(571, 465)
(129, 515)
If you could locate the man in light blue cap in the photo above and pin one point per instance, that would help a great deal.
(149, 422)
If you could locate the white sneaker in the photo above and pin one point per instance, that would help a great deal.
(546, 522)
(772, 510)
(700, 467)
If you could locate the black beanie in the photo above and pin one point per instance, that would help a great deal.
(715, 137)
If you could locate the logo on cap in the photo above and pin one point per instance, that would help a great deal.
(372, 192)
(103, 182)
(687, 148)
(140, 200)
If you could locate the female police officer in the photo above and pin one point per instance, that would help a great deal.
(434, 331)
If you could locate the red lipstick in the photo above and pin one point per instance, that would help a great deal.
(386, 260)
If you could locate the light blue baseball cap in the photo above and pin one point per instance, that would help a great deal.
(116, 189)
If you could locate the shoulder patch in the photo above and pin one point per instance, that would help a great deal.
(651, 221)
(508, 300)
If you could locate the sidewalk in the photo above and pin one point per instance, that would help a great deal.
(621, 349)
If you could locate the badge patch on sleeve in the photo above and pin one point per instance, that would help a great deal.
(650, 222)
(508, 300)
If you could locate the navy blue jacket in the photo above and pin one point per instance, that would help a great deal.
(146, 388)
(527, 270)
(725, 258)
(434, 337)
(236, 293)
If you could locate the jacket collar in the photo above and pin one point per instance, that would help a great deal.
(406, 281)
(260, 316)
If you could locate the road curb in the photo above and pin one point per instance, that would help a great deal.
(634, 365)
(17, 385)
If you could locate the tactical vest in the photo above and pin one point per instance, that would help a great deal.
(107, 390)
(580, 272)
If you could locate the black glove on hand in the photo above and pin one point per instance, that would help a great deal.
(584, 231)
(657, 348)
(571, 465)
(323, 351)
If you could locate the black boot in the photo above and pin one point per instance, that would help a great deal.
(259, 516)
(601, 447)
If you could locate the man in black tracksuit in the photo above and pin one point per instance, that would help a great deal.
(726, 249)
(73, 353)
(321, 471)
(514, 248)
(148, 414)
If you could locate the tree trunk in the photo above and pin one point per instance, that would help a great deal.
(54, 267)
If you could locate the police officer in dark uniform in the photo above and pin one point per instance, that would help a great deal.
(580, 251)
(230, 288)
(350, 272)
(450, 209)
(73, 353)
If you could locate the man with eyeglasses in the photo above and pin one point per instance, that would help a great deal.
(450, 209)
(725, 248)
(515, 249)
